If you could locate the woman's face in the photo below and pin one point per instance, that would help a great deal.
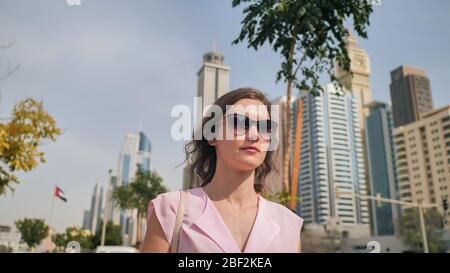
(242, 149)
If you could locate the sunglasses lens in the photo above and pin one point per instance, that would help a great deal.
(239, 123)
(265, 128)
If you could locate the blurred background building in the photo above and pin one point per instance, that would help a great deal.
(134, 155)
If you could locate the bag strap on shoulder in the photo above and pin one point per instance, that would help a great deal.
(178, 221)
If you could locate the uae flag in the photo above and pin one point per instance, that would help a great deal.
(60, 194)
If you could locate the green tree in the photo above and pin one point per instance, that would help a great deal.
(60, 240)
(113, 236)
(22, 134)
(33, 231)
(5, 249)
(410, 231)
(138, 194)
(311, 37)
(29, 127)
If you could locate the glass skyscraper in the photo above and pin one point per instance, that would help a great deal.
(328, 158)
(382, 168)
(134, 157)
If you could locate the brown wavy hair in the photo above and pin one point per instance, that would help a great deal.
(201, 157)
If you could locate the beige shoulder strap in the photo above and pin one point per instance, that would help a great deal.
(178, 221)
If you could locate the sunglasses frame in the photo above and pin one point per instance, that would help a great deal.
(251, 122)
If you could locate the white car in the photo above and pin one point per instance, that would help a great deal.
(116, 249)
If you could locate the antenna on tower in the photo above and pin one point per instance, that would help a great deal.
(214, 46)
(140, 126)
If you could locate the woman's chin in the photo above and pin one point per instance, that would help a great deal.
(248, 164)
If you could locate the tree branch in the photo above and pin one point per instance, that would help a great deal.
(10, 72)
(304, 55)
(8, 45)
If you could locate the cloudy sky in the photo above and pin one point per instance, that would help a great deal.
(107, 66)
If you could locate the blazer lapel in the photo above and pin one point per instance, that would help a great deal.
(213, 226)
(264, 230)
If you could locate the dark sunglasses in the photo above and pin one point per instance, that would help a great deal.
(241, 124)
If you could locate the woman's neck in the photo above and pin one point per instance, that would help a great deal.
(233, 186)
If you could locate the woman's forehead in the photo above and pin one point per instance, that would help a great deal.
(249, 107)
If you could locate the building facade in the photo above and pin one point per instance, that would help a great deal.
(213, 81)
(410, 95)
(359, 83)
(328, 161)
(96, 211)
(135, 156)
(423, 160)
(382, 167)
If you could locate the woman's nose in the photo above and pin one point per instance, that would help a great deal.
(253, 133)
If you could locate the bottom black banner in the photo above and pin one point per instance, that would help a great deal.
(83, 262)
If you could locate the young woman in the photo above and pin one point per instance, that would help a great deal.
(226, 214)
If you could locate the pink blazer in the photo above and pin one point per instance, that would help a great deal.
(276, 228)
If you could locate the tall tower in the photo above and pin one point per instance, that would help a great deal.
(382, 167)
(213, 81)
(112, 213)
(213, 78)
(134, 156)
(328, 162)
(96, 208)
(359, 84)
(410, 95)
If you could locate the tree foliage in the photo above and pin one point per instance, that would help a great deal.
(113, 236)
(410, 231)
(20, 139)
(138, 194)
(310, 35)
(33, 231)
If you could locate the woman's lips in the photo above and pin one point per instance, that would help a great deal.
(252, 150)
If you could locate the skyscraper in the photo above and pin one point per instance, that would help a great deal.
(112, 212)
(410, 95)
(213, 79)
(382, 168)
(423, 160)
(134, 156)
(328, 161)
(95, 213)
(359, 83)
(86, 219)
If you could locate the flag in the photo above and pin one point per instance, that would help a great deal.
(60, 194)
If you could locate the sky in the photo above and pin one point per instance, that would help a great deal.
(107, 68)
